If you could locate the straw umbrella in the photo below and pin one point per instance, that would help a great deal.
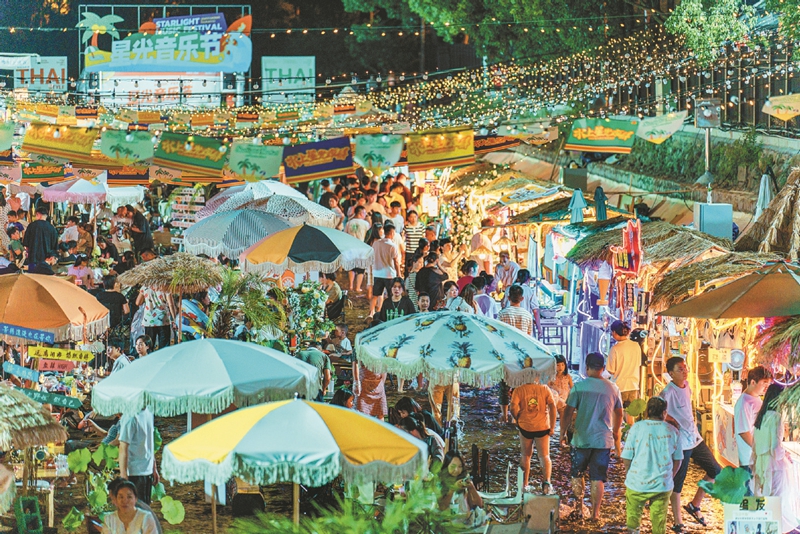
(296, 441)
(50, 304)
(24, 422)
(179, 273)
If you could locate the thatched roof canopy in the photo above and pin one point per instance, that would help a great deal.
(592, 227)
(778, 228)
(597, 247)
(676, 285)
(26, 423)
(179, 273)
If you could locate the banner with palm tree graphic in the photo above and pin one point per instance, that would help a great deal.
(254, 162)
(659, 129)
(126, 147)
(59, 141)
(378, 152)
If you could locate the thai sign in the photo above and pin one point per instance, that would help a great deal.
(51, 353)
(43, 73)
(440, 149)
(612, 136)
(322, 159)
(192, 51)
(288, 78)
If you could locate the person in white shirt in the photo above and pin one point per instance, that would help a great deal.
(451, 258)
(357, 227)
(386, 269)
(624, 362)
(651, 457)
(506, 271)
(116, 355)
(482, 239)
(396, 216)
(680, 414)
(71, 230)
(745, 411)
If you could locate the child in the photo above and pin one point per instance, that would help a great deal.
(423, 302)
(652, 457)
(340, 343)
(16, 252)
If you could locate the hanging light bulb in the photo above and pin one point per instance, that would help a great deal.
(384, 138)
(223, 149)
(286, 140)
(129, 137)
(57, 134)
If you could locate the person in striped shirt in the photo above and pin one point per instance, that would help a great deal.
(414, 231)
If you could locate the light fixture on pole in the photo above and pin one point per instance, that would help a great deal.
(707, 116)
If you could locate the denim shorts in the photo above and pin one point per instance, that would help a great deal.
(596, 460)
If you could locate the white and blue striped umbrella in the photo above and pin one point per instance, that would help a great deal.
(231, 232)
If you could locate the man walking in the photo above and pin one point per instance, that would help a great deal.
(597, 407)
(387, 268)
(40, 238)
(137, 452)
(680, 414)
(624, 362)
(745, 411)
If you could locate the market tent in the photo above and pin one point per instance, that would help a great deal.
(677, 285)
(556, 209)
(446, 346)
(205, 376)
(51, 304)
(778, 227)
(771, 291)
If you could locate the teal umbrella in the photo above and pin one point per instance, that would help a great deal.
(205, 376)
(600, 199)
(576, 206)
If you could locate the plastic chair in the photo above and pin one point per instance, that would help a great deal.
(507, 509)
(489, 496)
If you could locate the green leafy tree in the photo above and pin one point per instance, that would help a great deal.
(708, 25)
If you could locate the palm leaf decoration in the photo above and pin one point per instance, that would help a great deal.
(94, 25)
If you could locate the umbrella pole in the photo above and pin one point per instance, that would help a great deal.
(296, 503)
(214, 507)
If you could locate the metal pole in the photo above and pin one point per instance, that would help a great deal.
(422, 47)
(214, 508)
(709, 200)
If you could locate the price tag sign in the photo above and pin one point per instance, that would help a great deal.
(719, 355)
(60, 354)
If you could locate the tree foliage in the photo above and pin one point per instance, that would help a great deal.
(709, 25)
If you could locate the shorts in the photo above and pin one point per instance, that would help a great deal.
(358, 270)
(527, 434)
(381, 284)
(628, 397)
(704, 459)
(596, 460)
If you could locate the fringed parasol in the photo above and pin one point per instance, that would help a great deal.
(295, 211)
(179, 273)
(778, 227)
(51, 304)
(231, 232)
(26, 423)
(95, 191)
(237, 196)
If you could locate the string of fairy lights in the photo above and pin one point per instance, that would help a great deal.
(623, 75)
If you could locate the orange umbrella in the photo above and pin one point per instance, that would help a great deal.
(48, 303)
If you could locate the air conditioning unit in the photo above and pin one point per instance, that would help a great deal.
(714, 219)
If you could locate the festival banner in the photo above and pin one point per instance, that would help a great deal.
(207, 22)
(86, 174)
(254, 162)
(33, 173)
(126, 147)
(51, 353)
(61, 366)
(7, 157)
(60, 142)
(86, 112)
(27, 333)
(659, 129)
(21, 372)
(542, 138)
(165, 175)
(322, 159)
(188, 51)
(602, 135)
(52, 398)
(440, 149)
(378, 152)
(6, 135)
(492, 143)
(784, 107)
(129, 175)
(190, 153)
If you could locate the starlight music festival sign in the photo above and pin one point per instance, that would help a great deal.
(209, 22)
(313, 161)
(179, 51)
(611, 136)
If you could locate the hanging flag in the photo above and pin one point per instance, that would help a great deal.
(7, 157)
(492, 143)
(378, 152)
(543, 137)
(602, 135)
(322, 159)
(165, 175)
(59, 141)
(10, 174)
(86, 174)
(440, 149)
(126, 147)
(254, 162)
(86, 112)
(785, 107)
(659, 129)
(42, 172)
(190, 153)
(129, 175)
(6, 135)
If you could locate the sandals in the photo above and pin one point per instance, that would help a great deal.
(678, 529)
(694, 511)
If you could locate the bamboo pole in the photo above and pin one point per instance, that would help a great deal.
(214, 507)
(296, 503)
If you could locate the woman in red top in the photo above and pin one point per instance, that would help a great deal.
(534, 409)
